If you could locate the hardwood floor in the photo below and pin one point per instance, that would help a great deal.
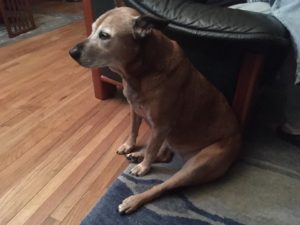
(57, 142)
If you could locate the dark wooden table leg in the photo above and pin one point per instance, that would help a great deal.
(246, 85)
(103, 90)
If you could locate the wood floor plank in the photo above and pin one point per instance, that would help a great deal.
(70, 174)
(72, 199)
(96, 119)
(50, 109)
(69, 183)
(35, 180)
(57, 142)
(27, 83)
(36, 128)
(41, 150)
(50, 221)
(98, 188)
(89, 199)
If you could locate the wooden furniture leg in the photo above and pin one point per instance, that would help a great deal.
(17, 16)
(102, 90)
(246, 85)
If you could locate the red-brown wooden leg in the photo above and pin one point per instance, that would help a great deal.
(247, 81)
(103, 90)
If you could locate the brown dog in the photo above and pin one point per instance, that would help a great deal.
(185, 112)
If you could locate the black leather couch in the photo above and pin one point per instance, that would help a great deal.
(230, 47)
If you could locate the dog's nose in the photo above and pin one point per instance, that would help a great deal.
(75, 52)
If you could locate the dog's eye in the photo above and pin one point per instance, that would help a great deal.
(103, 35)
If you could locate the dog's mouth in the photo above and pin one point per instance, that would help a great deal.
(77, 56)
(86, 63)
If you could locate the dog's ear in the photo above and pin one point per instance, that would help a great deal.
(143, 25)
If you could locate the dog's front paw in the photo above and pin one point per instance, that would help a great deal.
(125, 149)
(130, 204)
(135, 157)
(139, 170)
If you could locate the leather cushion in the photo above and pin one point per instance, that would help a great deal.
(213, 22)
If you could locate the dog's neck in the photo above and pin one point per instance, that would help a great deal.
(142, 65)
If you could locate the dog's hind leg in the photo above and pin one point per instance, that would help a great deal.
(207, 165)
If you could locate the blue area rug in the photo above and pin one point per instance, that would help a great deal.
(262, 188)
(248, 194)
(105, 212)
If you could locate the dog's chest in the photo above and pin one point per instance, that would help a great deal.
(136, 101)
(142, 111)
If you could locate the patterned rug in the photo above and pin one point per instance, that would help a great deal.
(263, 187)
(251, 193)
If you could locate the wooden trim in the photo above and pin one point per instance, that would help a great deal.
(246, 85)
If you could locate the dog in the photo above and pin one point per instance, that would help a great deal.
(186, 114)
